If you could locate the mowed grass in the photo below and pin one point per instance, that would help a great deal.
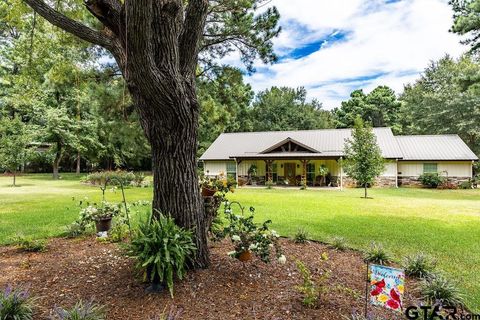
(41, 207)
(442, 223)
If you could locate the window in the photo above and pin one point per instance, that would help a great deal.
(231, 170)
(311, 173)
(430, 168)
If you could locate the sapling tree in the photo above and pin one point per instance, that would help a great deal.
(363, 157)
(14, 141)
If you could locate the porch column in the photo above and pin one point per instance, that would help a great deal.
(236, 170)
(304, 171)
(396, 173)
(341, 173)
(268, 167)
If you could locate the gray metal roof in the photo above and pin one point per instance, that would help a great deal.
(328, 143)
(435, 147)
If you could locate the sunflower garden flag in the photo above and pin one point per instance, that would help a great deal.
(386, 286)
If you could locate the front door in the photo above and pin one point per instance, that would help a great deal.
(290, 173)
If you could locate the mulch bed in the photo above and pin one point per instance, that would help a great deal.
(86, 269)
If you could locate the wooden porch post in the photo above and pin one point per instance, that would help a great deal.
(268, 167)
(304, 171)
(341, 173)
(396, 173)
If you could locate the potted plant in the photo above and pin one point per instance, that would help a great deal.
(209, 186)
(248, 238)
(323, 171)
(102, 215)
(252, 174)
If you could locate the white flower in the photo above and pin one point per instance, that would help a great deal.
(253, 246)
(231, 253)
(235, 237)
(282, 259)
(270, 245)
(275, 234)
(228, 211)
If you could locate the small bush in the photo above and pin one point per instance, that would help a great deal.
(16, 304)
(338, 243)
(118, 232)
(81, 311)
(311, 289)
(377, 254)
(269, 184)
(466, 185)
(76, 229)
(438, 289)
(162, 249)
(115, 178)
(30, 245)
(432, 180)
(301, 236)
(419, 265)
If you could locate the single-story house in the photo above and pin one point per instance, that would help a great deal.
(286, 157)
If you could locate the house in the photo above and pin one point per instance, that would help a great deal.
(287, 157)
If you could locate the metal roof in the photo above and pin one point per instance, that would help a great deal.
(435, 147)
(328, 143)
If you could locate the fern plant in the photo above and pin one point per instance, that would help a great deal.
(162, 250)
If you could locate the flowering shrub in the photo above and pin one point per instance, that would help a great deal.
(247, 236)
(16, 304)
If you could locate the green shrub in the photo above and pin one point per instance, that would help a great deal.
(118, 232)
(162, 249)
(30, 245)
(81, 311)
(466, 185)
(432, 180)
(115, 178)
(301, 236)
(438, 289)
(76, 229)
(16, 304)
(338, 243)
(311, 289)
(419, 265)
(377, 254)
(269, 184)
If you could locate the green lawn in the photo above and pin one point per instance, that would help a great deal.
(443, 223)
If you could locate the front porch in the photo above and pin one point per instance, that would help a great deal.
(288, 172)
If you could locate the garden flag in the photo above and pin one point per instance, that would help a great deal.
(386, 286)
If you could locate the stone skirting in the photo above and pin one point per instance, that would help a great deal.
(412, 181)
(382, 182)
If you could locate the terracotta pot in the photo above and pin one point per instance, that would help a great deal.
(245, 256)
(103, 224)
(206, 192)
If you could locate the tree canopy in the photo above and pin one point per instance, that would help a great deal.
(446, 100)
(380, 108)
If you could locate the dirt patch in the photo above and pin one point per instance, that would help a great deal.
(86, 269)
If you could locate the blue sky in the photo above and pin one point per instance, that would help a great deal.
(334, 47)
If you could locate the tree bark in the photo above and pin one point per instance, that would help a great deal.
(156, 45)
(79, 160)
(56, 161)
(365, 187)
(14, 178)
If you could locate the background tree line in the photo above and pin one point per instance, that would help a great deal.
(67, 103)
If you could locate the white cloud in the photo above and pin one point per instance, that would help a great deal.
(395, 41)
